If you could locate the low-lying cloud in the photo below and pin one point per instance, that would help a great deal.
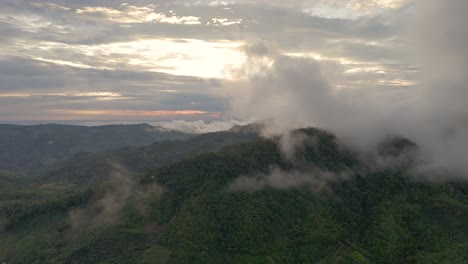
(200, 126)
(315, 180)
(294, 92)
(106, 208)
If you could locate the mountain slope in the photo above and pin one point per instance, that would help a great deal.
(85, 168)
(366, 216)
(29, 147)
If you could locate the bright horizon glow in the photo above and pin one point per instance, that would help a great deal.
(125, 112)
(188, 57)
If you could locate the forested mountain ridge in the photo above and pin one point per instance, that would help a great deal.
(30, 147)
(86, 168)
(249, 203)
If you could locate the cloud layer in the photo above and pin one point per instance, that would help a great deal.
(171, 55)
(297, 92)
(200, 126)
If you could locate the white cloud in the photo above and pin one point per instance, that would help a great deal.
(199, 127)
(95, 95)
(432, 112)
(326, 8)
(225, 21)
(190, 57)
(138, 14)
(70, 63)
(28, 23)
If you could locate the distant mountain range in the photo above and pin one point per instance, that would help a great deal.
(85, 168)
(30, 147)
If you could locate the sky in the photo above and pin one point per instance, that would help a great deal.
(65, 60)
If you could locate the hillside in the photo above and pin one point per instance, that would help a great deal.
(248, 203)
(10, 181)
(85, 168)
(30, 147)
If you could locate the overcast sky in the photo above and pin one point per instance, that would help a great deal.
(164, 60)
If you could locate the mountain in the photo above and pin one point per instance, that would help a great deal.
(254, 128)
(30, 147)
(11, 181)
(248, 203)
(85, 168)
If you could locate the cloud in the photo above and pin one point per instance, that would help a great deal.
(132, 114)
(173, 56)
(138, 14)
(295, 92)
(76, 47)
(32, 90)
(106, 208)
(199, 127)
(356, 5)
(439, 38)
(315, 180)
